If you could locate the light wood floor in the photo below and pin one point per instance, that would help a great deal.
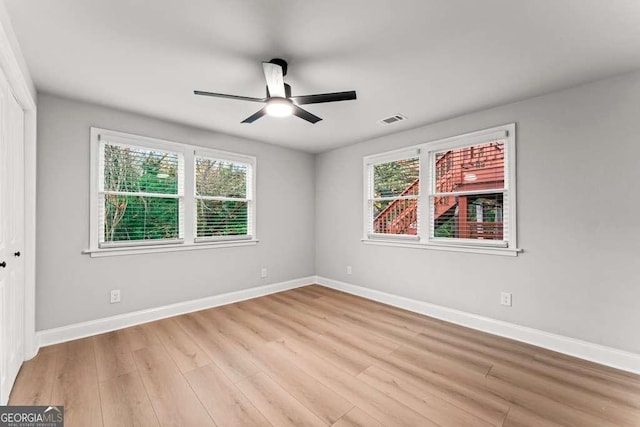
(314, 356)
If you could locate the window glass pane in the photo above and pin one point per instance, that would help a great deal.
(476, 167)
(140, 218)
(220, 178)
(221, 218)
(479, 217)
(135, 170)
(396, 178)
(395, 216)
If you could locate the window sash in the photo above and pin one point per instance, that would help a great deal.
(396, 156)
(248, 190)
(178, 195)
(488, 242)
(432, 193)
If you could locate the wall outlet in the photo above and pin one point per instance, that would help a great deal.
(505, 298)
(263, 272)
(349, 269)
(115, 296)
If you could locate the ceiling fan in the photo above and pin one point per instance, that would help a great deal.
(279, 102)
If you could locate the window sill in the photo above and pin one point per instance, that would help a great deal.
(136, 250)
(486, 250)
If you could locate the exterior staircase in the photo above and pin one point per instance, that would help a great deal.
(457, 170)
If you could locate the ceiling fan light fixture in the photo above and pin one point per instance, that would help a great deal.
(279, 107)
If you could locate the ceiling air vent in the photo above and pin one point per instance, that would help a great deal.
(392, 119)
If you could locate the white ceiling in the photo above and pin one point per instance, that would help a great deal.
(425, 59)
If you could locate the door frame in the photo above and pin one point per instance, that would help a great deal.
(22, 87)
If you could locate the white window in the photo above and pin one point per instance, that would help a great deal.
(223, 198)
(393, 187)
(140, 194)
(150, 195)
(467, 200)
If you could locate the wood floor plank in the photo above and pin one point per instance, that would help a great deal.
(471, 360)
(483, 352)
(173, 400)
(343, 360)
(469, 397)
(380, 406)
(226, 404)
(620, 391)
(226, 354)
(590, 369)
(125, 402)
(34, 384)
(113, 355)
(441, 363)
(325, 403)
(250, 321)
(612, 412)
(335, 326)
(541, 404)
(141, 336)
(278, 406)
(329, 336)
(520, 417)
(183, 350)
(357, 418)
(76, 384)
(384, 326)
(246, 338)
(432, 407)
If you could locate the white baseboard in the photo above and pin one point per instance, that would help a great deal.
(99, 326)
(582, 349)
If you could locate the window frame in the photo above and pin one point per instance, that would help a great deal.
(186, 193)
(370, 163)
(249, 194)
(426, 152)
(179, 196)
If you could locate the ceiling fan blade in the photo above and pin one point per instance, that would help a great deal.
(324, 97)
(275, 79)
(222, 95)
(304, 114)
(255, 116)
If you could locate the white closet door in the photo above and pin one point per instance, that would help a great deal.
(11, 239)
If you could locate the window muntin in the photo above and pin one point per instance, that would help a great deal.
(223, 203)
(140, 195)
(467, 201)
(394, 192)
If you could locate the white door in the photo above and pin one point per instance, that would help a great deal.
(11, 239)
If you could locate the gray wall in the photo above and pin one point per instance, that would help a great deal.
(578, 219)
(72, 287)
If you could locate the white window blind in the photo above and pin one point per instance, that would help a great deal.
(393, 197)
(222, 198)
(140, 195)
